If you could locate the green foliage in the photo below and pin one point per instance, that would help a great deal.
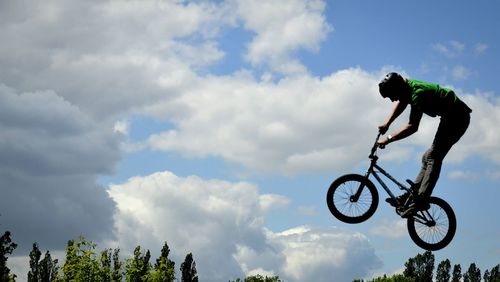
(137, 268)
(259, 278)
(164, 269)
(81, 263)
(6, 248)
(49, 270)
(443, 271)
(420, 267)
(116, 275)
(473, 274)
(42, 270)
(188, 269)
(106, 270)
(394, 278)
(457, 273)
(493, 275)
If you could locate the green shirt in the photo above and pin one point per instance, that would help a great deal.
(431, 99)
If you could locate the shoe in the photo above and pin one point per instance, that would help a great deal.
(418, 205)
(399, 199)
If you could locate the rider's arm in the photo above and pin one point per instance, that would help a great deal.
(406, 130)
(396, 111)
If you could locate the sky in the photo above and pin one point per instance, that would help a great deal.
(218, 126)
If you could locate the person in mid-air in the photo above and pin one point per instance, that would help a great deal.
(433, 100)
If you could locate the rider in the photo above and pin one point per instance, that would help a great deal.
(432, 100)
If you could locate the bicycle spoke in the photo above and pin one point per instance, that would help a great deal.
(432, 225)
(342, 199)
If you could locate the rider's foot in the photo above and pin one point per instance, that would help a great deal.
(399, 199)
(418, 205)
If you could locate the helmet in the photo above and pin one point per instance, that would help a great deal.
(392, 85)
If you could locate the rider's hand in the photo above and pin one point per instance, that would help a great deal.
(383, 128)
(382, 142)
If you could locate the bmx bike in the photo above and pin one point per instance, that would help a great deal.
(353, 198)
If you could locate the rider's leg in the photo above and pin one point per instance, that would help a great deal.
(450, 130)
(432, 161)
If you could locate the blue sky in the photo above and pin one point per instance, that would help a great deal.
(219, 125)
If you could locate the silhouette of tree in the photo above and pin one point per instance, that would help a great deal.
(35, 254)
(443, 271)
(420, 267)
(81, 261)
(259, 278)
(42, 270)
(457, 273)
(117, 265)
(473, 274)
(6, 248)
(137, 268)
(394, 278)
(106, 270)
(164, 267)
(188, 269)
(48, 268)
(493, 275)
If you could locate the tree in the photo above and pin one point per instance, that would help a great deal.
(473, 274)
(35, 254)
(259, 278)
(394, 278)
(105, 271)
(164, 267)
(443, 271)
(81, 262)
(457, 273)
(49, 270)
(6, 248)
(493, 275)
(42, 270)
(188, 269)
(117, 265)
(420, 267)
(137, 268)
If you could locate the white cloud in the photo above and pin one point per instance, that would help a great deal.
(480, 139)
(460, 72)
(222, 223)
(451, 49)
(480, 48)
(294, 125)
(281, 28)
(392, 229)
(122, 127)
(463, 175)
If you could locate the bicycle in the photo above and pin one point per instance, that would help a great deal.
(353, 198)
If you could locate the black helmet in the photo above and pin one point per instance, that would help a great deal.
(392, 85)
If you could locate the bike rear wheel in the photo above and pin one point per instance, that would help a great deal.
(342, 202)
(434, 228)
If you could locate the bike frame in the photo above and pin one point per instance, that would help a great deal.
(375, 170)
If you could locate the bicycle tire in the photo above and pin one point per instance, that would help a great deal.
(339, 201)
(438, 236)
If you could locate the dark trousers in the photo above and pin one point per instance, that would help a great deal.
(450, 130)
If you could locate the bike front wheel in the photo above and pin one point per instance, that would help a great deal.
(433, 229)
(352, 198)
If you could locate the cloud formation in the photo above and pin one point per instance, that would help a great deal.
(222, 223)
(73, 72)
(52, 154)
(295, 125)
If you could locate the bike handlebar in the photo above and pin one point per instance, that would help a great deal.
(375, 146)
